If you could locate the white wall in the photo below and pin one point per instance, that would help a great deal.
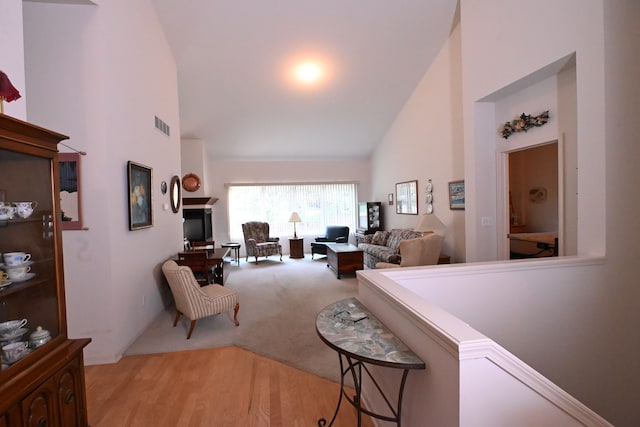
(12, 48)
(620, 381)
(425, 142)
(221, 172)
(102, 87)
(500, 46)
(193, 160)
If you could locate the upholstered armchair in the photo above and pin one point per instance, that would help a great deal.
(257, 241)
(415, 252)
(333, 234)
(196, 302)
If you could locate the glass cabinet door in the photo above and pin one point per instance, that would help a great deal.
(28, 292)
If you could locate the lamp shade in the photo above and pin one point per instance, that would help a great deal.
(429, 222)
(295, 217)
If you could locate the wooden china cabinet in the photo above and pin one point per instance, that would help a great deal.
(45, 386)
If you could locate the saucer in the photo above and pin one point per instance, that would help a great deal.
(5, 283)
(12, 336)
(24, 264)
(26, 277)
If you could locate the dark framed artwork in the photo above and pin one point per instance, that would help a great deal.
(456, 194)
(70, 191)
(140, 184)
(407, 197)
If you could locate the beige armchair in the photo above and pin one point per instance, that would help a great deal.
(196, 302)
(415, 252)
(257, 240)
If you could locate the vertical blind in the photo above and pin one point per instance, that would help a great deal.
(318, 205)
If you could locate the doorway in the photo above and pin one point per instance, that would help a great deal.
(534, 201)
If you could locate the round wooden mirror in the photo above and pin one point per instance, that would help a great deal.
(174, 193)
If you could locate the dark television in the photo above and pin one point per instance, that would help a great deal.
(197, 224)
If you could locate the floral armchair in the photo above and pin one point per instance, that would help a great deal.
(257, 241)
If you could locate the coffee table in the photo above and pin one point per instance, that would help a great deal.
(344, 258)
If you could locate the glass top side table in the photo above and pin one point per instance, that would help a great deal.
(360, 338)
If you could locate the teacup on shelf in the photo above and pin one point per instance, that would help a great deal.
(16, 259)
(15, 351)
(18, 273)
(11, 326)
(6, 211)
(25, 209)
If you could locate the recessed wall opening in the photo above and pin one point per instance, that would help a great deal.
(534, 205)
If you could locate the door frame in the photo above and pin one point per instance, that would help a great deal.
(502, 194)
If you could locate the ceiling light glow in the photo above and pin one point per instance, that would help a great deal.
(308, 72)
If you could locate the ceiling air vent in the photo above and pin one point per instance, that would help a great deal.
(162, 126)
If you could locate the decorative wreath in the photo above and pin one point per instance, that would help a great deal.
(524, 123)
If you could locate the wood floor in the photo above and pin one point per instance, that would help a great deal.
(222, 387)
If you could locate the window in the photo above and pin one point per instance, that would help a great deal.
(319, 205)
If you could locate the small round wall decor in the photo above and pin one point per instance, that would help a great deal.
(191, 182)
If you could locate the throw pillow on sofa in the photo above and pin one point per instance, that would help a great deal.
(380, 238)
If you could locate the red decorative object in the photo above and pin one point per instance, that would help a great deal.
(7, 91)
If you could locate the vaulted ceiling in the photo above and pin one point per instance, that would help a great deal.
(235, 62)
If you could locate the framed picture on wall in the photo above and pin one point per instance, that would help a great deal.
(456, 194)
(140, 181)
(407, 197)
(390, 198)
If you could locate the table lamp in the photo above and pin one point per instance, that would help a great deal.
(429, 223)
(294, 218)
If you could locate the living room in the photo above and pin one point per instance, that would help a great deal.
(113, 277)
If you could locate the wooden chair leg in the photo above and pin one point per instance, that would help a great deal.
(178, 314)
(235, 314)
(193, 325)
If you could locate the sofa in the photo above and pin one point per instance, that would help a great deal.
(384, 246)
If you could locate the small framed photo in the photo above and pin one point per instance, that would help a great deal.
(140, 184)
(390, 199)
(456, 194)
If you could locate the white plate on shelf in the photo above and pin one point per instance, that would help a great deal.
(26, 277)
(24, 264)
(5, 283)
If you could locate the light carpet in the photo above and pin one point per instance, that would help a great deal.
(279, 302)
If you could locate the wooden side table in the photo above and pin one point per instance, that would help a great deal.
(235, 247)
(444, 259)
(296, 247)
